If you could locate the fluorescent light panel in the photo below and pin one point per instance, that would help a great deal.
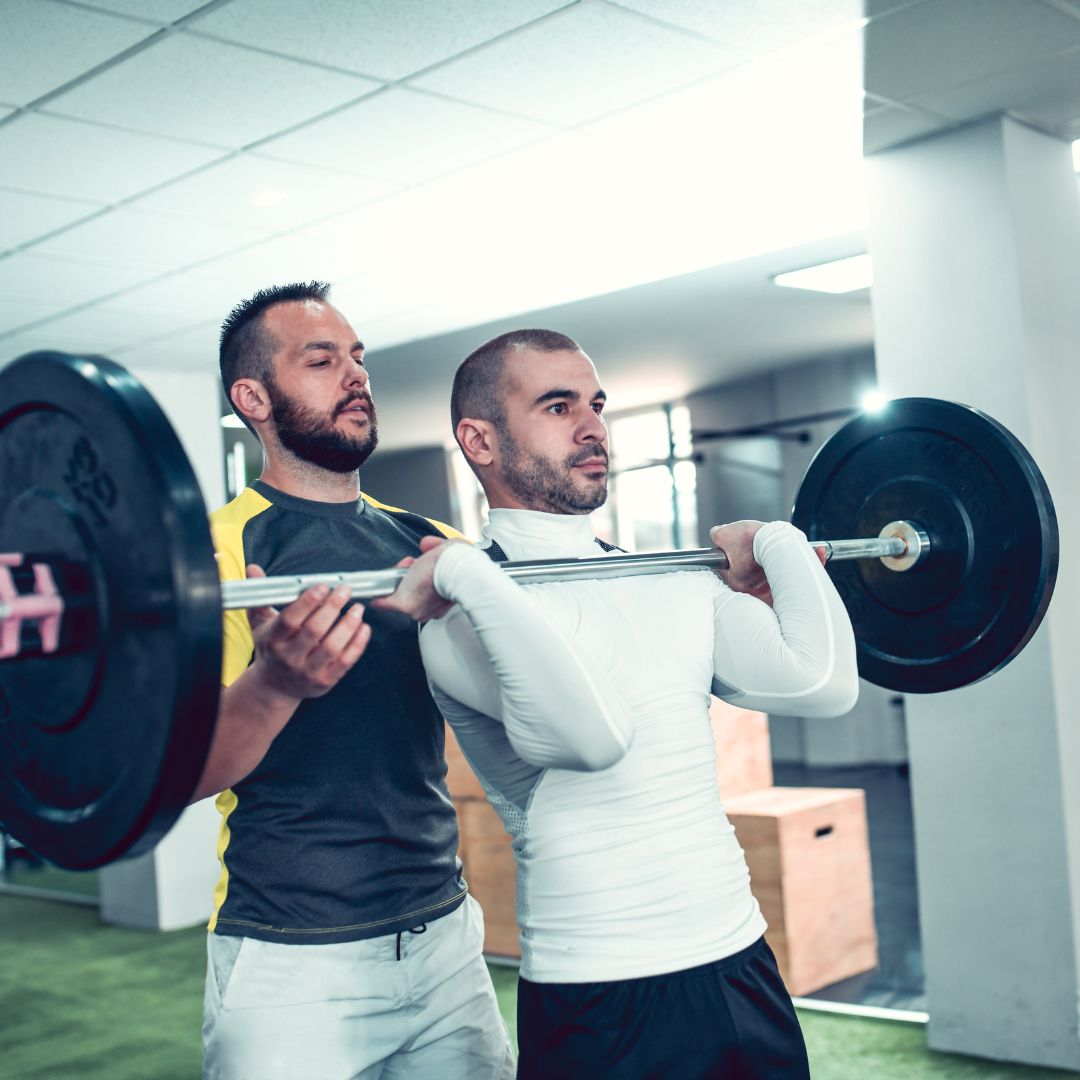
(841, 276)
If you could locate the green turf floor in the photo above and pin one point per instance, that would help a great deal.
(78, 999)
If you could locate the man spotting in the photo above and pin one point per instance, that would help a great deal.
(343, 942)
(642, 947)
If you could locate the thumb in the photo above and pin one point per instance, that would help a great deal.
(259, 615)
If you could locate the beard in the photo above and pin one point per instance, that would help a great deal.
(312, 436)
(542, 484)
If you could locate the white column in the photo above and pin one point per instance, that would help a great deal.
(172, 886)
(975, 238)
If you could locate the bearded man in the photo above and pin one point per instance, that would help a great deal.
(642, 946)
(343, 942)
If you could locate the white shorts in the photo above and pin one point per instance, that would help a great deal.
(354, 1011)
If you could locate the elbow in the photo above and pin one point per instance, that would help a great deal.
(836, 698)
(593, 755)
(598, 758)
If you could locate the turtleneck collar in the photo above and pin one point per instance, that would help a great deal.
(533, 534)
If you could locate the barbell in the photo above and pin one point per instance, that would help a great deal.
(111, 606)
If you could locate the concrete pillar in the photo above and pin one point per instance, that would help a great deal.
(975, 238)
(172, 886)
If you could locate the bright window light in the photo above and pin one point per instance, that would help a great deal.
(1076, 155)
(841, 276)
(874, 401)
(232, 421)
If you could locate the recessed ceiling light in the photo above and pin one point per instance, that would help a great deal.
(232, 421)
(1076, 155)
(268, 197)
(841, 276)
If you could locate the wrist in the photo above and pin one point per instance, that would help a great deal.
(267, 695)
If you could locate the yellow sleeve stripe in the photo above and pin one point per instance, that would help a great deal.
(226, 804)
(447, 530)
(227, 529)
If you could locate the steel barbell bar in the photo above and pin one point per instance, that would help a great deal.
(900, 546)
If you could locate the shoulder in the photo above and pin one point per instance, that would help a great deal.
(236, 514)
(423, 525)
(227, 523)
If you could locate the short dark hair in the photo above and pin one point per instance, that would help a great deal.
(246, 348)
(480, 379)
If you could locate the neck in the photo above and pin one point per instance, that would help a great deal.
(536, 534)
(502, 498)
(301, 478)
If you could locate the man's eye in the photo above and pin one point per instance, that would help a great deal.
(598, 407)
(319, 363)
(558, 408)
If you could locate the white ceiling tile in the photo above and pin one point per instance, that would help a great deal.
(892, 124)
(326, 252)
(404, 136)
(210, 292)
(159, 11)
(194, 88)
(65, 157)
(20, 311)
(188, 349)
(943, 45)
(106, 328)
(45, 277)
(578, 64)
(45, 45)
(874, 8)
(758, 26)
(384, 38)
(773, 114)
(262, 193)
(1047, 93)
(139, 238)
(24, 216)
(11, 348)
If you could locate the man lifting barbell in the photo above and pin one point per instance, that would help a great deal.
(642, 946)
(109, 591)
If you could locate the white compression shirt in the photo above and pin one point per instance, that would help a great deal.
(583, 708)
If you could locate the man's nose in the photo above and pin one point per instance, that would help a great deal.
(593, 429)
(356, 377)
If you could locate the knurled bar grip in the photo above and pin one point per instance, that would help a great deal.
(368, 585)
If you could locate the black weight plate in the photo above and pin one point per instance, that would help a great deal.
(981, 592)
(102, 744)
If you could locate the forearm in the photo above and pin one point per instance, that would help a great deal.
(499, 653)
(250, 716)
(797, 657)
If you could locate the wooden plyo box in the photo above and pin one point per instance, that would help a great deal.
(809, 858)
(488, 863)
(743, 753)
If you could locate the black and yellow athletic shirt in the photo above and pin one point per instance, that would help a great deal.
(345, 830)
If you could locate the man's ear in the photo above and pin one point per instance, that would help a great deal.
(250, 399)
(477, 440)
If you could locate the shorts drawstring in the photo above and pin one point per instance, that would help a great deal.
(421, 929)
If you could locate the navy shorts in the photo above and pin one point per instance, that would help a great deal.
(731, 1019)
